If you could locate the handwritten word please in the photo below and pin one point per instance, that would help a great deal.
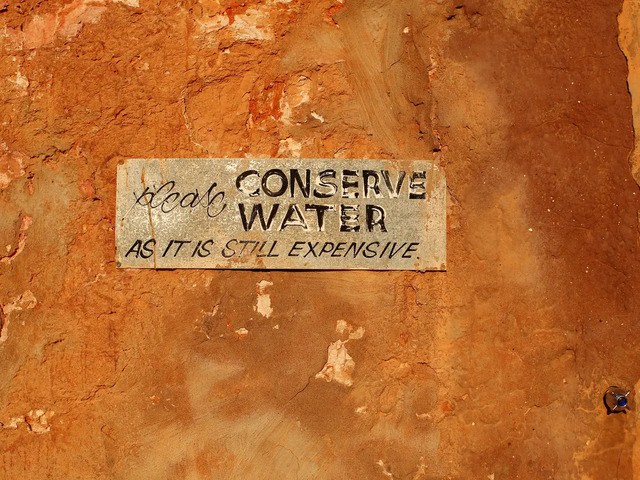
(167, 200)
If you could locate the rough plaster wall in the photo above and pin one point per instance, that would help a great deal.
(629, 40)
(494, 369)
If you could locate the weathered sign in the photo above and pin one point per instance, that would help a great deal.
(281, 214)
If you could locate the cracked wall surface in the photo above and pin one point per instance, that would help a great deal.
(494, 369)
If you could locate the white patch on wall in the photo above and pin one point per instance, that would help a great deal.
(26, 301)
(385, 470)
(290, 148)
(37, 421)
(22, 239)
(252, 25)
(340, 365)
(295, 95)
(342, 327)
(242, 332)
(214, 24)
(77, 15)
(129, 3)
(318, 117)
(263, 303)
(20, 80)
(12, 165)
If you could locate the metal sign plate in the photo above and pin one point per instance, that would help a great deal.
(325, 214)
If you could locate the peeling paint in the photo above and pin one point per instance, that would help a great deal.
(339, 366)
(12, 165)
(263, 303)
(342, 326)
(129, 3)
(385, 470)
(318, 117)
(213, 24)
(242, 332)
(251, 25)
(79, 14)
(20, 81)
(295, 95)
(26, 301)
(37, 421)
(213, 312)
(22, 240)
(290, 147)
(13, 423)
(66, 22)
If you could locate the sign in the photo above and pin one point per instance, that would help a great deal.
(325, 214)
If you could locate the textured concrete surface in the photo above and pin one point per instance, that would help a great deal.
(492, 370)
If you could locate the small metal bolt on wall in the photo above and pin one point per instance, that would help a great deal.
(616, 400)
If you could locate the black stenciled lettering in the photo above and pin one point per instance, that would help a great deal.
(180, 244)
(273, 247)
(384, 249)
(418, 189)
(256, 212)
(241, 186)
(294, 218)
(368, 186)
(375, 216)
(284, 183)
(197, 247)
(322, 183)
(260, 250)
(394, 191)
(320, 211)
(347, 183)
(296, 179)
(255, 245)
(349, 218)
